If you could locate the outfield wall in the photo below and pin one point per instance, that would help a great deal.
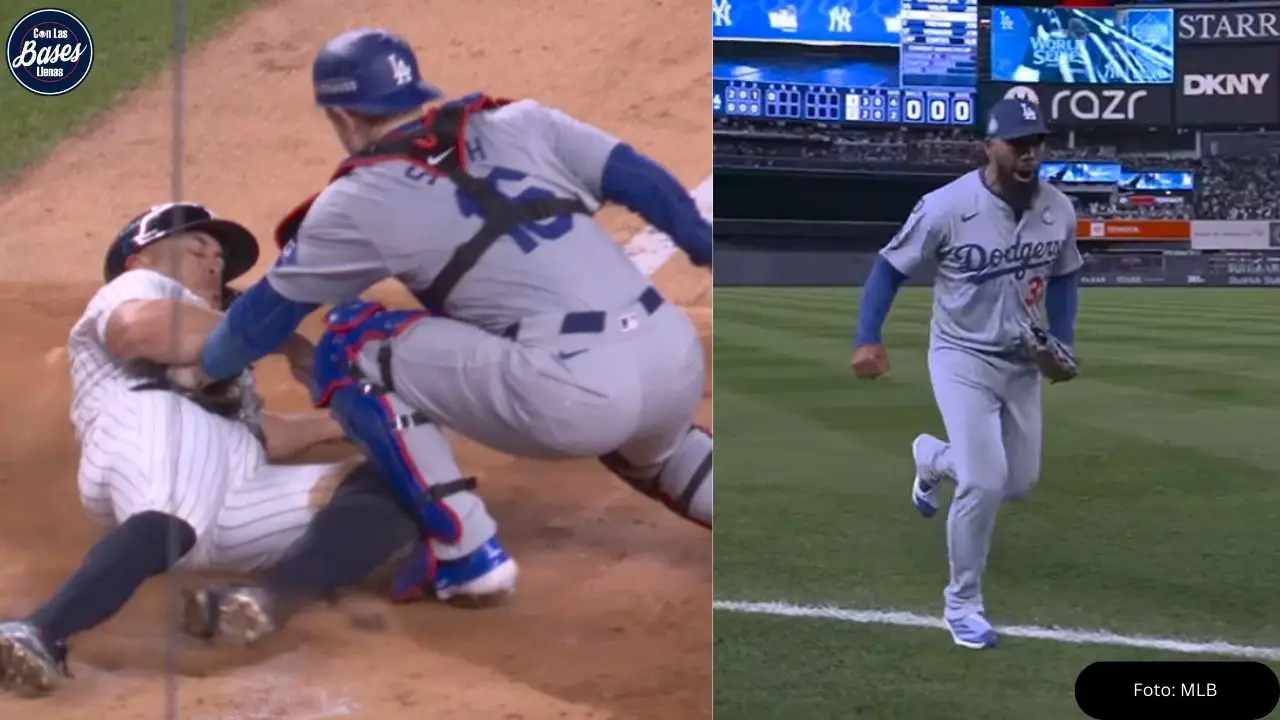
(738, 265)
(792, 226)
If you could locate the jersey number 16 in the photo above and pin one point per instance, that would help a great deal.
(526, 236)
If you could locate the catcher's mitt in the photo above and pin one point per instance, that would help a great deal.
(224, 397)
(1055, 359)
(220, 398)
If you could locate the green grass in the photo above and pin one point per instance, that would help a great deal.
(132, 40)
(1154, 514)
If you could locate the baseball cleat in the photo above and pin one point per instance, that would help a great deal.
(28, 663)
(484, 577)
(924, 488)
(972, 631)
(241, 613)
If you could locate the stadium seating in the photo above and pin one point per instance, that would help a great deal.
(1237, 174)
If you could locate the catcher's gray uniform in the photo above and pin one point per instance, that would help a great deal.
(553, 345)
(992, 273)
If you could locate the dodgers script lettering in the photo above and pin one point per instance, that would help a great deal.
(983, 264)
(48, 55)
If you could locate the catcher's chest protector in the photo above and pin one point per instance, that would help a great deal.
(439, 147)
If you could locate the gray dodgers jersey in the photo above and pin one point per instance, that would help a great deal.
(393, 219)
(992, 269)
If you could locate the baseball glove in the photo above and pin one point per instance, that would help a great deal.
(220, 398)
(1055, 359)
(224, 397)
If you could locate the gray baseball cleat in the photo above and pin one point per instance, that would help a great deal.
(28, 663)
(241, 613)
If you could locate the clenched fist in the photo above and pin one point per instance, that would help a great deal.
(870, 362)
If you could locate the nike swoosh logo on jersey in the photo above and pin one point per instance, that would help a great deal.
(567, 355)
(967, 218)
(437, 159)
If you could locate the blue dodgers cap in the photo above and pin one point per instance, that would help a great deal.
(1013, 118)
(372, 71)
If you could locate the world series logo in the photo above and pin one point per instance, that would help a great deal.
(50, 52)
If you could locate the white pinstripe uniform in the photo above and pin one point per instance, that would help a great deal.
(156, 450)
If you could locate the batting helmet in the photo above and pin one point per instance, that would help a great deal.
(370, 71)
(239, 246)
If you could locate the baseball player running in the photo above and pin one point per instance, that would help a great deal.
(187, 480)
(1005, 249)
(540, 338)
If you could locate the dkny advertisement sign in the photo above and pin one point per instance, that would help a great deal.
(1069, 106)
(1217, 86)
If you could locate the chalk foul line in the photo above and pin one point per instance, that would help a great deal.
(1053, 634)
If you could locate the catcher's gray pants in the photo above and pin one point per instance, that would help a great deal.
(991, 409)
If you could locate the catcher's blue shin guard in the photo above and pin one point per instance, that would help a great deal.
(380, 425)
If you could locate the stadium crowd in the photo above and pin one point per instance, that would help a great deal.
(1237, 180)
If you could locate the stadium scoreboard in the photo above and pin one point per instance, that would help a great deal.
(939, 44)
(909, 107)
(794, 101)
(937, 73)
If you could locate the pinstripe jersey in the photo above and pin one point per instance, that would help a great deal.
(157, 450)
(98, 378)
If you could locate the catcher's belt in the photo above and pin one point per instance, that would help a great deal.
(1054, 358)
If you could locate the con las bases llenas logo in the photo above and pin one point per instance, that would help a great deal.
(50, 52)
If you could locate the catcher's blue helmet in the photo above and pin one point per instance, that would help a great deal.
(370, 71)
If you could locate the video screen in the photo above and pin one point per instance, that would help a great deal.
(1110, 173)
(800, 66)
(868, 22)
(1158, 180)
(1097, 46)
(1081, 173)
(828, 84)
(861, 67)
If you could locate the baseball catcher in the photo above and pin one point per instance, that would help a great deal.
(537, 336)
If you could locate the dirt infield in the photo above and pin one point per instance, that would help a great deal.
(613, 619)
